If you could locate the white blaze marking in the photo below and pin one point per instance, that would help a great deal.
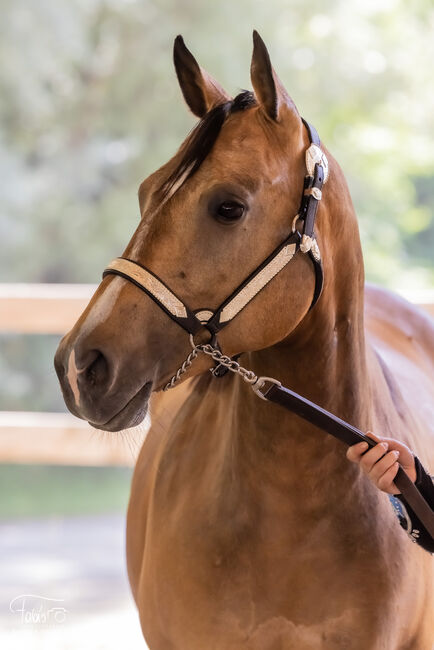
(73, 378)
(139, 239)
(101, 311)
(138, 245)
(103, 305)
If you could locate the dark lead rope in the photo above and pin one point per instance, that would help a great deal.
(311, 412)
(350, 435)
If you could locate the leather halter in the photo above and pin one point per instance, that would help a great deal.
(214, 321)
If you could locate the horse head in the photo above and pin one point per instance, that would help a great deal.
(209, 217)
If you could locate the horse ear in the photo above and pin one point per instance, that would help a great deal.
(200, 90)
(269, 90)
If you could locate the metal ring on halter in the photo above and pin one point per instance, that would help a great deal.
(213, 341)
(219, 369)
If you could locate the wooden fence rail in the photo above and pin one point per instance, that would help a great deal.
(61, 438)
(53, 308)
(42, 308)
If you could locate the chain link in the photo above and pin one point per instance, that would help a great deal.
(183, 369)
(208, 349)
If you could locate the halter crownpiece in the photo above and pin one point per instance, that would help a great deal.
(214, 320)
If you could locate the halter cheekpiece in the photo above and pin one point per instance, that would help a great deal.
(214, 321)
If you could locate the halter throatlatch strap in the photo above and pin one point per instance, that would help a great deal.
(214, 320)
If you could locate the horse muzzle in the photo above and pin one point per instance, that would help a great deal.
(98, 389)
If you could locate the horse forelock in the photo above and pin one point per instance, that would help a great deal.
(201, 140)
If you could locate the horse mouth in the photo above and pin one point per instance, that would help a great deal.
(132, 414)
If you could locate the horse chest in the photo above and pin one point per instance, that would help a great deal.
(241, 566)
(222, 556)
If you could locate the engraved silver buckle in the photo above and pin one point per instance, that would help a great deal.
(315, 155)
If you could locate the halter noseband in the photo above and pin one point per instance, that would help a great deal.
(214, 321)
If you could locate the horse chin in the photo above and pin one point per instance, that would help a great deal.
(131, 415)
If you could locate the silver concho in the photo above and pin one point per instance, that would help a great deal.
(315, 155)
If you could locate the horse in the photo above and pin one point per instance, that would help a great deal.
(247, 528)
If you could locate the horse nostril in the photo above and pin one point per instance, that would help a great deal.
(97, 371)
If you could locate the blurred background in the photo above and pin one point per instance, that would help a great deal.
(89, 106)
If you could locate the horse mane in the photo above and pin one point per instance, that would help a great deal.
(202, 138)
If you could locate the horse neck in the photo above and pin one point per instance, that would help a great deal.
(324, 359)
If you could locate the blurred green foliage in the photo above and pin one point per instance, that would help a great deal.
(42, 490)
(89, 106)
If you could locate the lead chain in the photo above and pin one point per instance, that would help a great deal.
(232, 365)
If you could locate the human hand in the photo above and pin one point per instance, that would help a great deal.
(380, 463)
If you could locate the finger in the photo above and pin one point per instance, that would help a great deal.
(355, 452)
(406, 457)
(383, 465)
(392, 442)
(374, 437)
(405, 454)
(372, 456)
(386, 483)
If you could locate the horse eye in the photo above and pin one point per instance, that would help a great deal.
(230, 211)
